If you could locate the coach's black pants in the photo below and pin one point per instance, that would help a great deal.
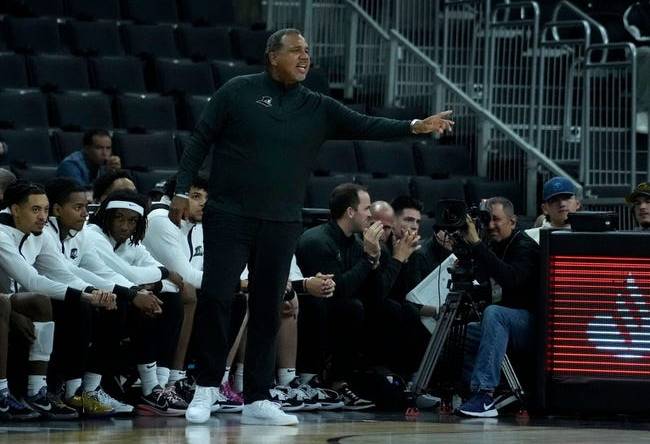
(230, 243)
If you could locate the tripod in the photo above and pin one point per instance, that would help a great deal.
(459, 304)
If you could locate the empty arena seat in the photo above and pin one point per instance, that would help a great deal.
(386, 157)
(478, 188)
(194, 106)
(144, 151)
(29, 146)
(67, 142)
(13, 73)
(146, 112)
(441, 160)
(226, 70)
(37, 8)
(150, 11)
(94, 9)
(250, 45)
(117, 74)
(94, 38)
(184, 76)
(23, 108)
(319, 189)
(207, 11)
(386, 188)
(40, 174)
(336, 156)
(208, 42)
(430, 191)
(81, 110)
(58, 72)
(33, 35)
(150, 40)
(146, 181)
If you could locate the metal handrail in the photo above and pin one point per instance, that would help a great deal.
(368, 19)
(583, 16)
(514, 137)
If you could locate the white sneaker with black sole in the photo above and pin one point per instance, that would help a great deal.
(120, 407)
(266, 412)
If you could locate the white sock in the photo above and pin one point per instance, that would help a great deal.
(176, 375)
(238, 382)
(286, 375)
(306, 377)
(4, 385)
(226, 375)
(71, 386)
(91, 381)
(35, 383)
(148, 377)
(163, 376)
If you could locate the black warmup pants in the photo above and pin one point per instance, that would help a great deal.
(230, 243)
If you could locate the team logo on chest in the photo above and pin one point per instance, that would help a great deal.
(198, 251)
(265, 101)
(74, 253)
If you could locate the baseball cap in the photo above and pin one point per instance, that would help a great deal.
(642, 189)
(556, 186)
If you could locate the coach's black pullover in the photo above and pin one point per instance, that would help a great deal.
(266, 139)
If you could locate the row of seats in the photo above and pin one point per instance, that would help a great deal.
(46, 35)
(140, 11)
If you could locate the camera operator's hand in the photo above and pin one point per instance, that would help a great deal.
(371, 236)
(404, 247)
(471, 235)
(445, 240)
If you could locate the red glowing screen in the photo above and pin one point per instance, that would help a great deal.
(598, 322)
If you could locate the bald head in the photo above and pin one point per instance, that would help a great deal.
(382, 211)
(6, 178)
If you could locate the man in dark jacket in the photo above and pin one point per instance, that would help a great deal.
(266, 129)
(510, 260)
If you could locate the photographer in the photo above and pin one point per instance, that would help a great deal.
(509, 259)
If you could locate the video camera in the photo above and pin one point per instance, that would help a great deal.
(451, 215)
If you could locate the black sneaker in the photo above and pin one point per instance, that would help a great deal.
(352, 401)
(50, 405)
(287, 404)
(161, 402)
(185, 389)
(326, 398)
(11, 408)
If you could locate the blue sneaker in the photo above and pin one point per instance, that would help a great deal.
(480, 405)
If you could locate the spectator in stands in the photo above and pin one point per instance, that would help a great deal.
(6, 178)
(112, 181)
(381, 211)
(636, 20)
(31, 261)
(94, 159)
(333, 248)
(509, 259)
(246, 114)
(559, 200)
(640, 201)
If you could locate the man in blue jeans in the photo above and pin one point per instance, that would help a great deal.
(510, 261)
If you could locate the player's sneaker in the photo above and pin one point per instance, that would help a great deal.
(352, 401)
(11, 408)
(89, 404)
(162, 402)
(328, 399)
(266, 413)
(287, 404)
(294, 390)
(231, 402)
(120, 407)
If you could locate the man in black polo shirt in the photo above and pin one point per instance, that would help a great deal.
(266, 129)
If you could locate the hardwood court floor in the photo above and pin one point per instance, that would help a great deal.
(333, 427)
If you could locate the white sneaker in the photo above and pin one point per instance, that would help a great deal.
(118, 406)
(266, 413)
(202, 404)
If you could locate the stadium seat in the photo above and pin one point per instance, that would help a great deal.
(29, 146)
(150, 11)
(94, 38)
(224, 71)
(430, 191)
(146, 112)
(386, 188)
(193, 108)
(319, 189)
(117, 74)
(205, 42)
(441, 160)
(40, 174)
(33, 35)
(94, 9)
(250, 45)
(478, 188)
(146, 181)
(150, 40)
(184, 76)
(67, 142)
(336, 156)
(57, 72)
(386, 157)
(81, 110)
(13, 73)
(22, 109)
(144, 151)
(207, 11)
(37, 8)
